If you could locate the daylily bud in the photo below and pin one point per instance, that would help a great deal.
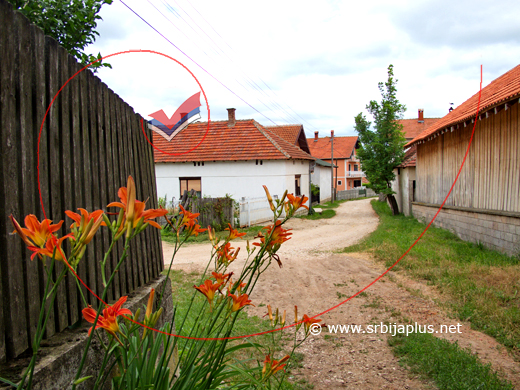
(149, 307)
(270, 312)
(283, 318)
(269, 198)
(86, 230)
(130, 196)
(107, 221)
(295, 314)
(120, 218)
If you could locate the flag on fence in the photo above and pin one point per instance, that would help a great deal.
(188, 112)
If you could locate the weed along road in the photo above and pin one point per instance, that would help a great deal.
(315, 277)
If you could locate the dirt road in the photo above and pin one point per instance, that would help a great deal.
(315, 278)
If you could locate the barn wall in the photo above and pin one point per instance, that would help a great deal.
(485, 201)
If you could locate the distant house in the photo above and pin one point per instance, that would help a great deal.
(348, 174)
(485, 203)
(404, 183)
(235, 157)
(320, 170)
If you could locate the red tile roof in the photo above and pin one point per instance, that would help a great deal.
(501, 90)
(412, 127)
(410, 158)
(293, 134)
(343, 147)
(247, 140)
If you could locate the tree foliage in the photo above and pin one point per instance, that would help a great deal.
(381, 149)
(71, 22)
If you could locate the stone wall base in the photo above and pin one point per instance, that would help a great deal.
(62, 353)
(495, 231)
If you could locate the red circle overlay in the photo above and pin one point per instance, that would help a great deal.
(271, 330)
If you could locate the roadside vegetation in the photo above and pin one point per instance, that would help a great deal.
(447, 364)
(477, 284)
(182, 291)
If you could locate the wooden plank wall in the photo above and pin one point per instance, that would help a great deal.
(490, 178)
(91, 141)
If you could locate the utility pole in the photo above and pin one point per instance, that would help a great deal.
(332, 194)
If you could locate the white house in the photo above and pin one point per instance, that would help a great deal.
(233, 157)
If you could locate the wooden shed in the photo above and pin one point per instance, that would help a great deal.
(484, 205)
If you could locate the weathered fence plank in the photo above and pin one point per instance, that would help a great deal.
(12, 273)
(90, 142)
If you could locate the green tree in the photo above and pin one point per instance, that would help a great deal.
(71, 22)
(381, 149)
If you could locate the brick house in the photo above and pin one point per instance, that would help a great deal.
(348, 174)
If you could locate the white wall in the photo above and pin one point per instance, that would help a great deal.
(401, 185)
(236, 178)
(322, 177)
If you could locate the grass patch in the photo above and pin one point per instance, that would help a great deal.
(447, 364)
(182, 291)
(251, 232)
(482, 285)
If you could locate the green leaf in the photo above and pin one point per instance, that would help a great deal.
(81, 380)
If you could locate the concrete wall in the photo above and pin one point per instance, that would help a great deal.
(403, 187)
(240, 179)
(498, 231)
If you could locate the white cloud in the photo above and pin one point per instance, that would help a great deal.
(323, 59)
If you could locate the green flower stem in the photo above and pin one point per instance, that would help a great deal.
(42, 322)
(105, 291)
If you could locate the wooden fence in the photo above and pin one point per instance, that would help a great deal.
(214, 212)
(91, 141)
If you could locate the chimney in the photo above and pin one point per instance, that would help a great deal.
(332, 133)
(316, 135)
(231, 117)
(421, 115)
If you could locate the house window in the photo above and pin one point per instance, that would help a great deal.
(259, 162)
(190, 183)
(339, 182)
(355, 168)
(297, 185)
(357, 183)
(349, 167)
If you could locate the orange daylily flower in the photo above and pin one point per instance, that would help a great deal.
(240, 286)
(279, 236)
(48, 249)
(135, 213)
(107, 320)
(308, 321)
(221, 278)
(297, 201)
(35, 231)
(233, 233)
(239, 302)
(271, 367)
(187, 215)
(208, 288)
(86, 223)
(192, 228)
(225, 254)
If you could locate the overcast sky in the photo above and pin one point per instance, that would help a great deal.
(312, 62)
